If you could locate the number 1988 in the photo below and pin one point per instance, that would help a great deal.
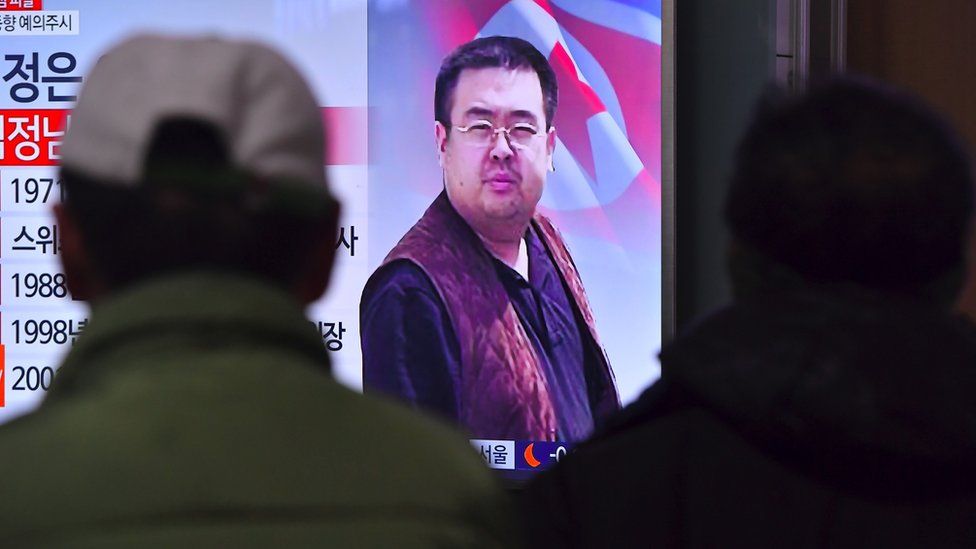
(39, 285)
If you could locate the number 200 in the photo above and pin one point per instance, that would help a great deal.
(32, 378)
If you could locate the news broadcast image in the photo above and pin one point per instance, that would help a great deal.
(372, 66)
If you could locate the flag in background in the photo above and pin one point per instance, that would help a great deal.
(607, 59)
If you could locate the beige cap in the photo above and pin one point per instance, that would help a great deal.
(256, 98)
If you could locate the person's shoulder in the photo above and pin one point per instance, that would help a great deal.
(422, 462)
(412, 433)
(44, 458)
(85, 460)
(662, 407)
(545, 225)
(399, 275)
(652, 429)
(642, 454)
(400, 281)
(400, 446)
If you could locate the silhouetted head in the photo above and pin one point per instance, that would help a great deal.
(188, 154)
(851, 183)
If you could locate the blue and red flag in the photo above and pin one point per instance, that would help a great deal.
(607, 59)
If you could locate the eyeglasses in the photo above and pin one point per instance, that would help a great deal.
(483, 133)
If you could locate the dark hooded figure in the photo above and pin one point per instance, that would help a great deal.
(831, 404)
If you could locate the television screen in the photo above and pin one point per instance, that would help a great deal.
(373, 67)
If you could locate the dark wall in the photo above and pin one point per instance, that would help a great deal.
(724, 57)
(927, 47)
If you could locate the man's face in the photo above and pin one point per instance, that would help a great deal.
(495, 184)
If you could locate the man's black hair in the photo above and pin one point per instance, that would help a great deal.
(493, 52)
(181, 216)
(854, 183)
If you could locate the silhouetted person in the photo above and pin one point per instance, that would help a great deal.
(832, 404)
(197, 408)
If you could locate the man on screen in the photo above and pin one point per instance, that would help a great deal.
(830, 404)
(197, 409)
(478, 313)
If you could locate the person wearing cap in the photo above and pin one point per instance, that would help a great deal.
(197, 408)
(478, 313)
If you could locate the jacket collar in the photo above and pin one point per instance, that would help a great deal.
(224, 306)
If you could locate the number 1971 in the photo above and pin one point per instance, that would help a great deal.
(32, 190)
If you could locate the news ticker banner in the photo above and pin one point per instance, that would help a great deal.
(48, 48)
(520, 455)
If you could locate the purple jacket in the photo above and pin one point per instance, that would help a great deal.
(503, 393)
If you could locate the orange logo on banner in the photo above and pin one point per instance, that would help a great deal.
(530, 457)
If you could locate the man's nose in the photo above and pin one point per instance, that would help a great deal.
(500, 147)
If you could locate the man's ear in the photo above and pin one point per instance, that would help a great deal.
(80, 275)
(314, 278)
(551, 145)
(440, 139)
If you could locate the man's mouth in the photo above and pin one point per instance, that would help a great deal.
(501, 182)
